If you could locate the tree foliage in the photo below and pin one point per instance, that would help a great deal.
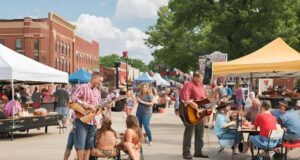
(189, 28)
(110, 60)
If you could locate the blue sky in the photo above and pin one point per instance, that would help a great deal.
(116, 25)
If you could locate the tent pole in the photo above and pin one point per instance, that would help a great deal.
(251, 81)
(13, 107)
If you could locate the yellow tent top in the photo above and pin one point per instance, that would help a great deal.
(276, 56)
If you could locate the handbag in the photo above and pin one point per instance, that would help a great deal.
(243, 147)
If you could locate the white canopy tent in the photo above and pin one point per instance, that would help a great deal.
(17, 67)
(160, 81)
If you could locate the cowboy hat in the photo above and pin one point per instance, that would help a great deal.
(223, 105)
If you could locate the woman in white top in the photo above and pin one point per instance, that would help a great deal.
(130, 102)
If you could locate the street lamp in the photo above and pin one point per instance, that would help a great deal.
(125, 55)
(117, 65)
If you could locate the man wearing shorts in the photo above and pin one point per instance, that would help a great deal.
(62, 100)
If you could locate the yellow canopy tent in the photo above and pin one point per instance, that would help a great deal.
(275, 57)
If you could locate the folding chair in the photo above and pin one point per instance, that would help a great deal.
(290, 146)
(273, 136)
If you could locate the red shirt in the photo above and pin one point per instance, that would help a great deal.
(192, 91)
(265, 122)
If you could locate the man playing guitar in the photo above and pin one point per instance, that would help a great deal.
(88, 96)
(192, 91)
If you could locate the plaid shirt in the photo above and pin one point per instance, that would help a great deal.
(85, 94)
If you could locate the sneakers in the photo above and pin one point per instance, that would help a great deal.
(147, 141)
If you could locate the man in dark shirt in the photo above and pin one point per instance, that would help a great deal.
(193, 90)
(62, 100)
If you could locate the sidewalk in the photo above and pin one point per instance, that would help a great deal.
(167, 132)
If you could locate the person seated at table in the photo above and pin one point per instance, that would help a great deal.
(105, 141)
(3, 101)
(223, 123)
(133, 136)
(253, 110)
(13, 107)
(266, 122)
(289, 120)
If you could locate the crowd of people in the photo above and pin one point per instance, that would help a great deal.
(97, 138)
(257, 115)
(260, 114)
(93, 140)
(23, 100)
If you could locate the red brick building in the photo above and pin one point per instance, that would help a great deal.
(51, 41)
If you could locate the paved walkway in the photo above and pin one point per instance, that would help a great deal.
(167, 132)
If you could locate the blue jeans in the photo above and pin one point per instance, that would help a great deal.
(231, 134)
(144, 120)
(84, 135)
(71, 140)
(262, 142)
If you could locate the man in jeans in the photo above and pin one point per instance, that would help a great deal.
(88, 96)
(193, 90)
(62, 100)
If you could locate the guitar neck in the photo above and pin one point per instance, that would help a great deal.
(107, 102)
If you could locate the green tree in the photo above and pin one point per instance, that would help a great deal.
(178, 46)
(110, 60)
(189, 28)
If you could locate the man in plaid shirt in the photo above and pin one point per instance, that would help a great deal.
(88, 96)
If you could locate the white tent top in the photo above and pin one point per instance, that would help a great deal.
(160, 81)
(17, 67)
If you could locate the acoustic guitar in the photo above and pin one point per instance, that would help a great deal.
(189, 115)
(86, 115)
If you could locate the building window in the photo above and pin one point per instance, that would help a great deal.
(56, 45)
(58, 49)
(69, 67)
(64, 49)
(65, 65)
(2, 41)
(61, 46)
(62, 64)
(19, 45)
(56, 62)
(76, 55)
(36, 49)
(69, 49)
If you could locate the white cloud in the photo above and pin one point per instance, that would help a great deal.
(128, 9)
(112, 39)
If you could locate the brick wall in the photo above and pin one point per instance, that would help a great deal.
(51, 41)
